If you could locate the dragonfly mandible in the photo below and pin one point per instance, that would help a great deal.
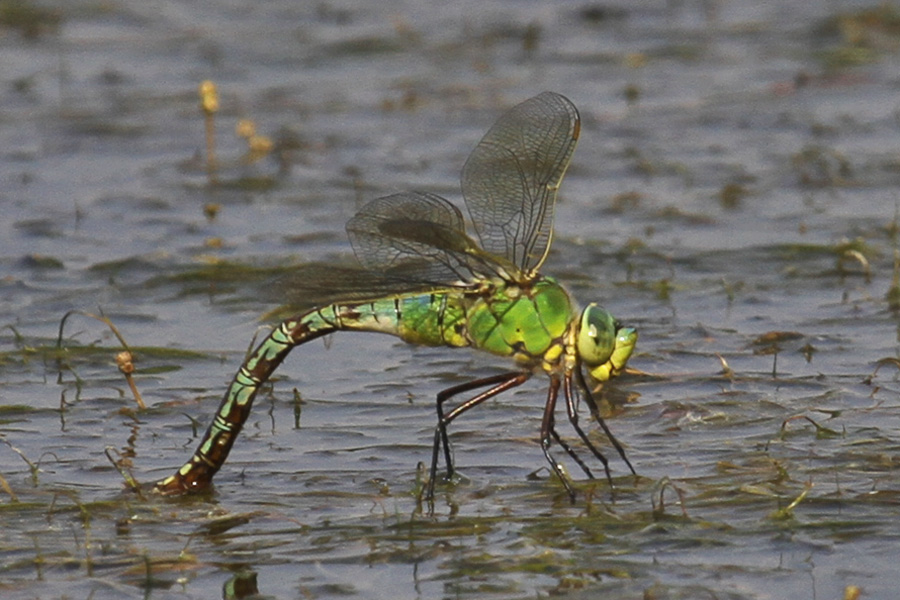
(423, 278)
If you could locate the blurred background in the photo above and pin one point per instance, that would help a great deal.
(733, 196)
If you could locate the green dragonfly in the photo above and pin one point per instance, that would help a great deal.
(423, 279)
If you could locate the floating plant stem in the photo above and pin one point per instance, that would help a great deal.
(124, 471)
(659, 489)
(126, 365)
(4, 485)
(35, 469)
(788, 511)
(125, 359)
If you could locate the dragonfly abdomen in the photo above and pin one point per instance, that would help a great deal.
(433, 319)
(197, 472)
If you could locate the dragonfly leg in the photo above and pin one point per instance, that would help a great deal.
(573, 419)
(500, 383)
(571, 453)
(548, 431)
(592, 405)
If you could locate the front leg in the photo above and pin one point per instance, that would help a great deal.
(595, 411)
(573, 419)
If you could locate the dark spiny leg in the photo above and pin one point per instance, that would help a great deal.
(440, 432)
(572, 411)
(571, 453)
(445, 395)
(547, 431)
(501, 383)
(592, 405)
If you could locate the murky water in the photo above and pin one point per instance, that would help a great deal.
(736, 176)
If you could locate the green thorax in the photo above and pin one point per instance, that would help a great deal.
(522, 322)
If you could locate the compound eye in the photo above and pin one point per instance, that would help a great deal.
(596, 335)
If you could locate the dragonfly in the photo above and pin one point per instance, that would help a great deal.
(422, 278)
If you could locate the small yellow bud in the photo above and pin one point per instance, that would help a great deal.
(260, 144)
(209, 97)
(124, 361)
(245, 128)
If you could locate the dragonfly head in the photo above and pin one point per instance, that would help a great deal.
(603, 344)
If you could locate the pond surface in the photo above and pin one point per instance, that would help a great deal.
(734, 196)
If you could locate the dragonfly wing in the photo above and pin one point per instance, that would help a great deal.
(417, 236)
(320, 284)
(511, 178)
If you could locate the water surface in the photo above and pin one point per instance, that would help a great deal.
(736, 176)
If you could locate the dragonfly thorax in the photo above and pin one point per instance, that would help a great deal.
(524, 323)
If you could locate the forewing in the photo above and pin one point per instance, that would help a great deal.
(317, 284)
(417, 236)
(511, 178)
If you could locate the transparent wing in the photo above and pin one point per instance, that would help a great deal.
(319, 284)
(511, 178)
(418, 236)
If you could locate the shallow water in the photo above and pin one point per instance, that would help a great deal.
(736, 176)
